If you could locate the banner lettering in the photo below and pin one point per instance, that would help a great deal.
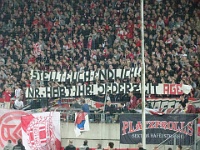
(158, 128)
(87, 76)
(97, 89)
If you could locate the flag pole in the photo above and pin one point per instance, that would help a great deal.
(143, 76)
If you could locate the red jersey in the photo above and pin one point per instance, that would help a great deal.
(6, 96)
(133, 102)
(191, 109)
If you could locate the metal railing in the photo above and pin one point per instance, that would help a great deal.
(177, 138)
(93, 117)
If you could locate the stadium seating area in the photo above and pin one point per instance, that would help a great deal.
(82, 35)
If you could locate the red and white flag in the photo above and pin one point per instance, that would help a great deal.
(81, 123)
(154, 111)
(41, 131)
(160, 111)
(10, 126)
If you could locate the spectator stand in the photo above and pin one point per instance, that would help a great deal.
(68, 37)
(84, 35)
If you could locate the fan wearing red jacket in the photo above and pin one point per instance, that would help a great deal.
(7, 97)
(133, 101)
(190, 108)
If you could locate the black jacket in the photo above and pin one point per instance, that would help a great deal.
(19, 147)
(70, 147)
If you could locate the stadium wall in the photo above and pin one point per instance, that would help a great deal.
(99, 133)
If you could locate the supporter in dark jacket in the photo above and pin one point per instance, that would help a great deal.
(70, 146)
(109, 111)
(183, 101)
(19, 145)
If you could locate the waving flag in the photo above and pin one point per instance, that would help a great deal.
(41, 131)
(81, 123)
(161, 111)
(10, 126)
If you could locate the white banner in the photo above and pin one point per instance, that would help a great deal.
(10, 126)
(102, 75)
(41, 131)
(109, 88)
(157, 103)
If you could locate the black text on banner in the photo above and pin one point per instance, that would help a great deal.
(86, 76)
(97, 89)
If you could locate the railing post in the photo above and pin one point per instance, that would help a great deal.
(102, 117)
(195, 133)
(174, 141)
(67, 117)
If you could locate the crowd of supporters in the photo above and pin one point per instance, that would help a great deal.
(81, 35)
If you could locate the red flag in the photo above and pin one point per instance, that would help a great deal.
(198, 126)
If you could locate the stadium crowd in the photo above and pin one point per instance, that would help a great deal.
(82, 35)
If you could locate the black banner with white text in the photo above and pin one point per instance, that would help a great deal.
(158, 128)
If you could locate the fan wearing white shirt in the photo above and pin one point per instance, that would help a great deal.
(18, 104)
(17, 92)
